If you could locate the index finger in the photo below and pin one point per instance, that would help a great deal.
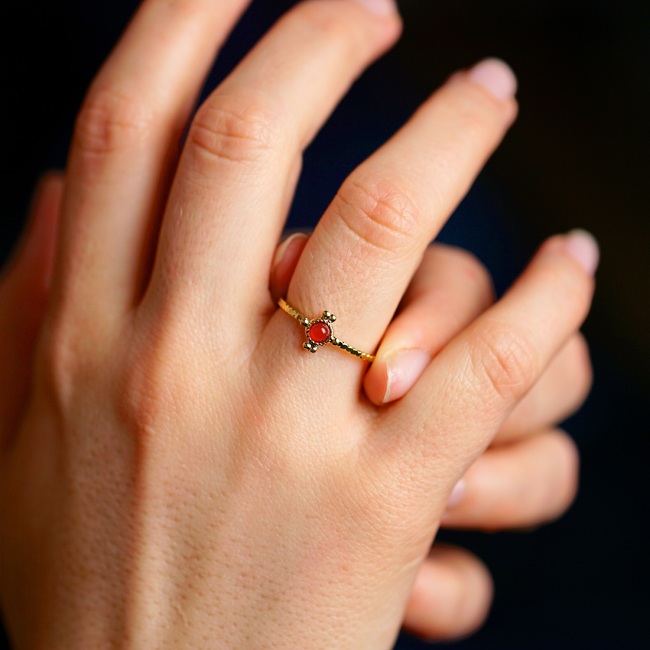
(461, 400)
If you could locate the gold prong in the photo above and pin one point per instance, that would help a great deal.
(327, 316)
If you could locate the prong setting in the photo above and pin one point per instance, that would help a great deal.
(319, 332)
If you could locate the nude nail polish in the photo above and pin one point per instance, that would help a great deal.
(583, 247)
(282, 248)
(496, 77)
(379, 7)
(457, 494)
(403, 367)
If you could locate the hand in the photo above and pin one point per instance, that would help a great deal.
(175, 475)
(529, 474)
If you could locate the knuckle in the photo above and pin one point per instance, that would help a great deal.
(65, 362)
(56, 363)
(152, 393)
(504, 363)
(110, 122)
(379, 213)
(239, 130)
(144, 401)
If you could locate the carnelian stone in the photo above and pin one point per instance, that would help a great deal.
(320, 332)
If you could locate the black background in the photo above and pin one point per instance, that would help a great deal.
(577, 156)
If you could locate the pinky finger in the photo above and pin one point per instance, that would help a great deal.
(451, 596)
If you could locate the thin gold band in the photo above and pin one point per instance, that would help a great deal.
(312, 344)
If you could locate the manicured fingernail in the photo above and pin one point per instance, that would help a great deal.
(403, 368)
(582, 246)
(457, 494)
(282, 248)
(496, 77)
(379, 7)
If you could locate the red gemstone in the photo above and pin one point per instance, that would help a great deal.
(320, 332)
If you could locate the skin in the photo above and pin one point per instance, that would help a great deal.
(176, 470)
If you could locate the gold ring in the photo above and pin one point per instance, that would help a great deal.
(319, 332)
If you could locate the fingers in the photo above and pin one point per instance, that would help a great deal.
(449, 290)
(284, 264)
(24, 289)
(368, 244)
(462, 399)
(451, 595)
(125, 145)
(249, 135)
(559, 392)
(524, 484)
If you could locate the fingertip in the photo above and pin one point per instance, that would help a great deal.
(36, 248)
(580, 245)
(394, 373)
(375, 383)
(457, 494)
(583, 247)
(495, 76)
(569, 464)
(451, 597)
(379, 7)
(284, 263)
(403, 369)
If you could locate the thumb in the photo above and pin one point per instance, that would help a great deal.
(24, 287)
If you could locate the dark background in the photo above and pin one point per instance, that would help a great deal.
(577, 156)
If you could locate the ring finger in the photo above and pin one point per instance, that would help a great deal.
(367, 246)
(449, 290)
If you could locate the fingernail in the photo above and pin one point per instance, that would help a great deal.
(379, 7)
(403, 368)
(457, 494)
(583, 247)
(282, 248)
(496, 77)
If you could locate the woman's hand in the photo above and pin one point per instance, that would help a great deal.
(529, 473)
(181, 473)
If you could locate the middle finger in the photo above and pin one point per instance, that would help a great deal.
(242, 155)
(367, 246)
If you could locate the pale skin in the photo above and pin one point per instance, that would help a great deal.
(177, 472)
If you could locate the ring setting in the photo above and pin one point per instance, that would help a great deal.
(319, 332)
